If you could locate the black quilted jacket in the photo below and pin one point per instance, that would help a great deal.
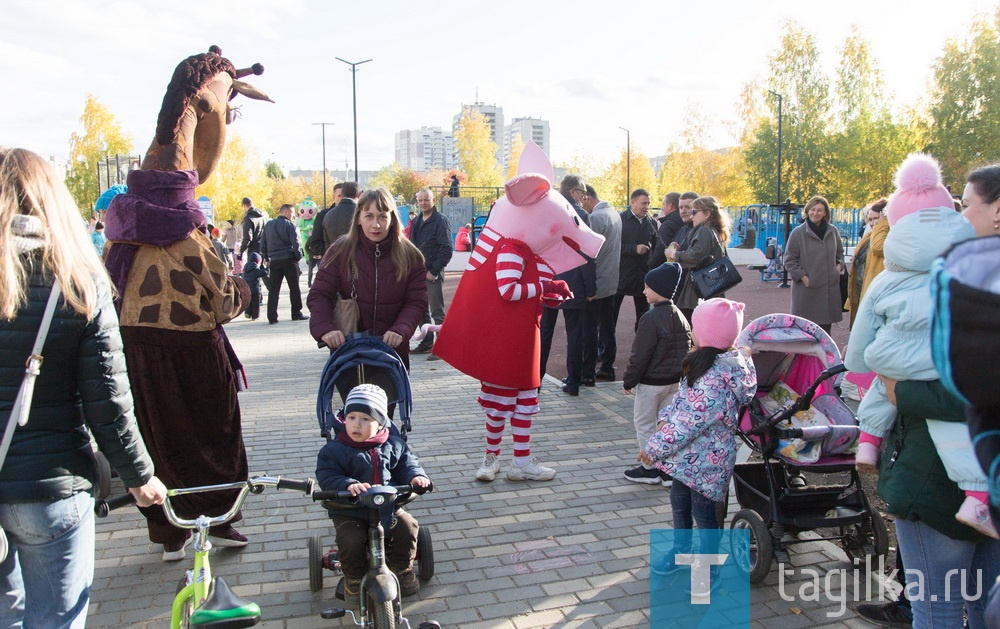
(83, 384)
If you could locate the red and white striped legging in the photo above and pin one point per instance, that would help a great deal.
(501, 404)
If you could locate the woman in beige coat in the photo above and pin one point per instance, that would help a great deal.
(814, 259)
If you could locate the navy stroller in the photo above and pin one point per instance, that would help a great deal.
(364, 359)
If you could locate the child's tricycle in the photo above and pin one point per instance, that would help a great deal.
(379, 594)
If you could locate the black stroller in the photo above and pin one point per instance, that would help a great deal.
(797, 423)
(364, 359)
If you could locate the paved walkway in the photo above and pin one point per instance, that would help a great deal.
(572, 552)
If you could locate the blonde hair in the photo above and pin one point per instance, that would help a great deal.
(404, 253)
(29, 186)
(717, 220)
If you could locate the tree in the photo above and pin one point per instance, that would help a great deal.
(272, 170)
(516, 146)
(694, 167)
(102, 136)
(240, 174)
(476, 151)
(868, 144)
(399, 181)
(964, 109)
(639, 175)
(796, 74)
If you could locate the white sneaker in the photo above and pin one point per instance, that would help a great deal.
(489, 468)
(176, 552)
(531, 471)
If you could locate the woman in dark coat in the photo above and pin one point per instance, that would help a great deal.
(814, 259)
(709, 230)
(383, 268)
(48, 475)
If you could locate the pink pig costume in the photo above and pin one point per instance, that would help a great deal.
(491, 332)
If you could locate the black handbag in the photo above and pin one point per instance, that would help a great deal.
(715, 278)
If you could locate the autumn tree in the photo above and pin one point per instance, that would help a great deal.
(616, 180)
(476, 150)
(516, 147)
(399, 181)
(692, 166)
(868, 144)
(965, 106)
(102, 136)
(240, 174)
(795, 72)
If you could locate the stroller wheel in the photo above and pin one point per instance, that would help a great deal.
(315, 563)
(869, 538)
(754, 558)
(425, 554)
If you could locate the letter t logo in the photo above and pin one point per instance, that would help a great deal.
(701, 572)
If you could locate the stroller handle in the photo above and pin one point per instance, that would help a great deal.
(801, 404)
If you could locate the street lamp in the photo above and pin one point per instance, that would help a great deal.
(777, 198)
(354, 94)
(628, 163)
(323, 125)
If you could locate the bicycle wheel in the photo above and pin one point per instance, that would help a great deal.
(315, 563)
(381, 614)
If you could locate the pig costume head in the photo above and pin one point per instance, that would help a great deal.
(537, 215)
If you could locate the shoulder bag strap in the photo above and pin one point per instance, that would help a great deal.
(22, 403)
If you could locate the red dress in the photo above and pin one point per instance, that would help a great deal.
(491, 332)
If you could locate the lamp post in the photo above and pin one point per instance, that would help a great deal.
(323, 126)
(628, 163)
(354, 95)
(777, 198)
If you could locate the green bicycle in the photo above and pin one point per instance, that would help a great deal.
(204, 600)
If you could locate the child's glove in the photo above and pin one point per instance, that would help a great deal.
(554, 292)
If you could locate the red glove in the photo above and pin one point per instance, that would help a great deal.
(554, 292)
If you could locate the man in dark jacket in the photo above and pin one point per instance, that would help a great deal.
(280, 247)
(316, 244)
(582, 282)
(670, 223)
(638, 234)
(253, 227)
(338, 221)
(431, 233)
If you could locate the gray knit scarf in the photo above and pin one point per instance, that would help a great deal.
(27, 231)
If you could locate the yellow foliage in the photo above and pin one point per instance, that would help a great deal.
(516, 147)
(716, 173)
(240, 174)
(477, 153)
(102, 136)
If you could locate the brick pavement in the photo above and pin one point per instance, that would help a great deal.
(567, 553)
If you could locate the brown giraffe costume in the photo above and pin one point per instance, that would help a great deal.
(174, 296)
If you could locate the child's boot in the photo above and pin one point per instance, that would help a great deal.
(408, 583)
(866, 460)
(976, 514)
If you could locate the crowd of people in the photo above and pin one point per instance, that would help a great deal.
(165, 293)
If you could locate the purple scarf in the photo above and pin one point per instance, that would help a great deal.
(159, 209)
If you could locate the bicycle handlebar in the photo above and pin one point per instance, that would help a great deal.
(254, 484)
(403, 490)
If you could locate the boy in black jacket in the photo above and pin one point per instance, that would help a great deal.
(364, 453)
(662, 340)
(254, 274)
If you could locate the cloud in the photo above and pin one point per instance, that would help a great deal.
(581, 88)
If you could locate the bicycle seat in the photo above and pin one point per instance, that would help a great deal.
(224, 610)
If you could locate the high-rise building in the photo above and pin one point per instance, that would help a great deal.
(424, 149)
(530, 129)
(494, 118)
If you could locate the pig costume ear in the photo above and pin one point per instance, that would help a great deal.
(534, 177)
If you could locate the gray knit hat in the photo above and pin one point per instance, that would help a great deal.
(369, 399)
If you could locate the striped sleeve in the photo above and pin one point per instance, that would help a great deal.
(510, 267)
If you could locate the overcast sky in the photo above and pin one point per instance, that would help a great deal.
(588, 67)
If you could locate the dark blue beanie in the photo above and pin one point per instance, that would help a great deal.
(665, 279)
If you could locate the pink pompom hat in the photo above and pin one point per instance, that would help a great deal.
(918, 187)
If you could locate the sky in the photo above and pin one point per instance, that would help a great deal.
(588, 67)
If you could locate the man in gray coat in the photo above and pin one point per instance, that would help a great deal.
(599, 332)
(337, 221)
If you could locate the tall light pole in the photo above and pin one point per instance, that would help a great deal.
(323, 125)
(780, 98)
(354, 94)
(628, 163)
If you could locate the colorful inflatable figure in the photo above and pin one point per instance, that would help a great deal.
(492, 329)
(306, 213)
